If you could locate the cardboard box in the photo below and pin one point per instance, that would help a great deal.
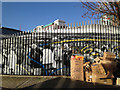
(105, 81)
(118, 81)
(98, 70)
(77, 68)
(109, 56)
(110, 67)
(88, 76)
(98, 60)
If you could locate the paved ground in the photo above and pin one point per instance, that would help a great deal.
(30, 82)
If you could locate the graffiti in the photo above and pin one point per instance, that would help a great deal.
(23, 68)
(64, 51)
(38, 63)
(51, 57)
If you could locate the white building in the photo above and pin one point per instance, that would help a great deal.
(57, 24)
(38, 28)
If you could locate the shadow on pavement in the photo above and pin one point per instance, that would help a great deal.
(67, 83)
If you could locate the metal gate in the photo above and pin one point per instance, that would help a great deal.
(48, 51)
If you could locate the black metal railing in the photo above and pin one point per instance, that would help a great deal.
(48, 51)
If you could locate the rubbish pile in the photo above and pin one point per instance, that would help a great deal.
(104, 70)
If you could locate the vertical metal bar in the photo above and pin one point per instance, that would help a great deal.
(21, 50)
(77, 37)
(56, 28)
(58, 53)
(12, 64)
(3, 46)
(47, 47)
(104, 33)
(6, 59)
(92, 30)
(73, 34)
(8, 53)
(111, 27)
(45, 50)
(98, 42)
(88, 32)
(50, 46)
(111, 33)
(83, 32)
(14, 45)
(46, 57)
(113, 38)
(64, 28)
(28, 47)
(100, 37)
(38, 70)
(41, 43)
(31, 50)
(17, 43)
(62, 62)
(11, 56)
(25, 50)
(2, 56)
(56, 46)
(40, 40)
(68, 68)
(37, 49)
(80, 45)
(118, 41)
(117, 36)
(62, 33)
(19, 53)
(11, 59)
(94, 35)
(15, 54)
(107, 35)
(36, 53)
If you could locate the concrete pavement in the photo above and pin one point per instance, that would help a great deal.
(30, 82)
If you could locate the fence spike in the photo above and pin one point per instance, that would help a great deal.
(97, 21)
(65, 26)
(88, 22)
(82, 23)
(85, 23)
(68, 25)
(94, 21)
(71, 25)
(91, 22)
(76, 24)
(79, 24)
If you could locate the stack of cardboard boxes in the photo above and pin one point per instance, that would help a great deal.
(101, 71)
(103, 68)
